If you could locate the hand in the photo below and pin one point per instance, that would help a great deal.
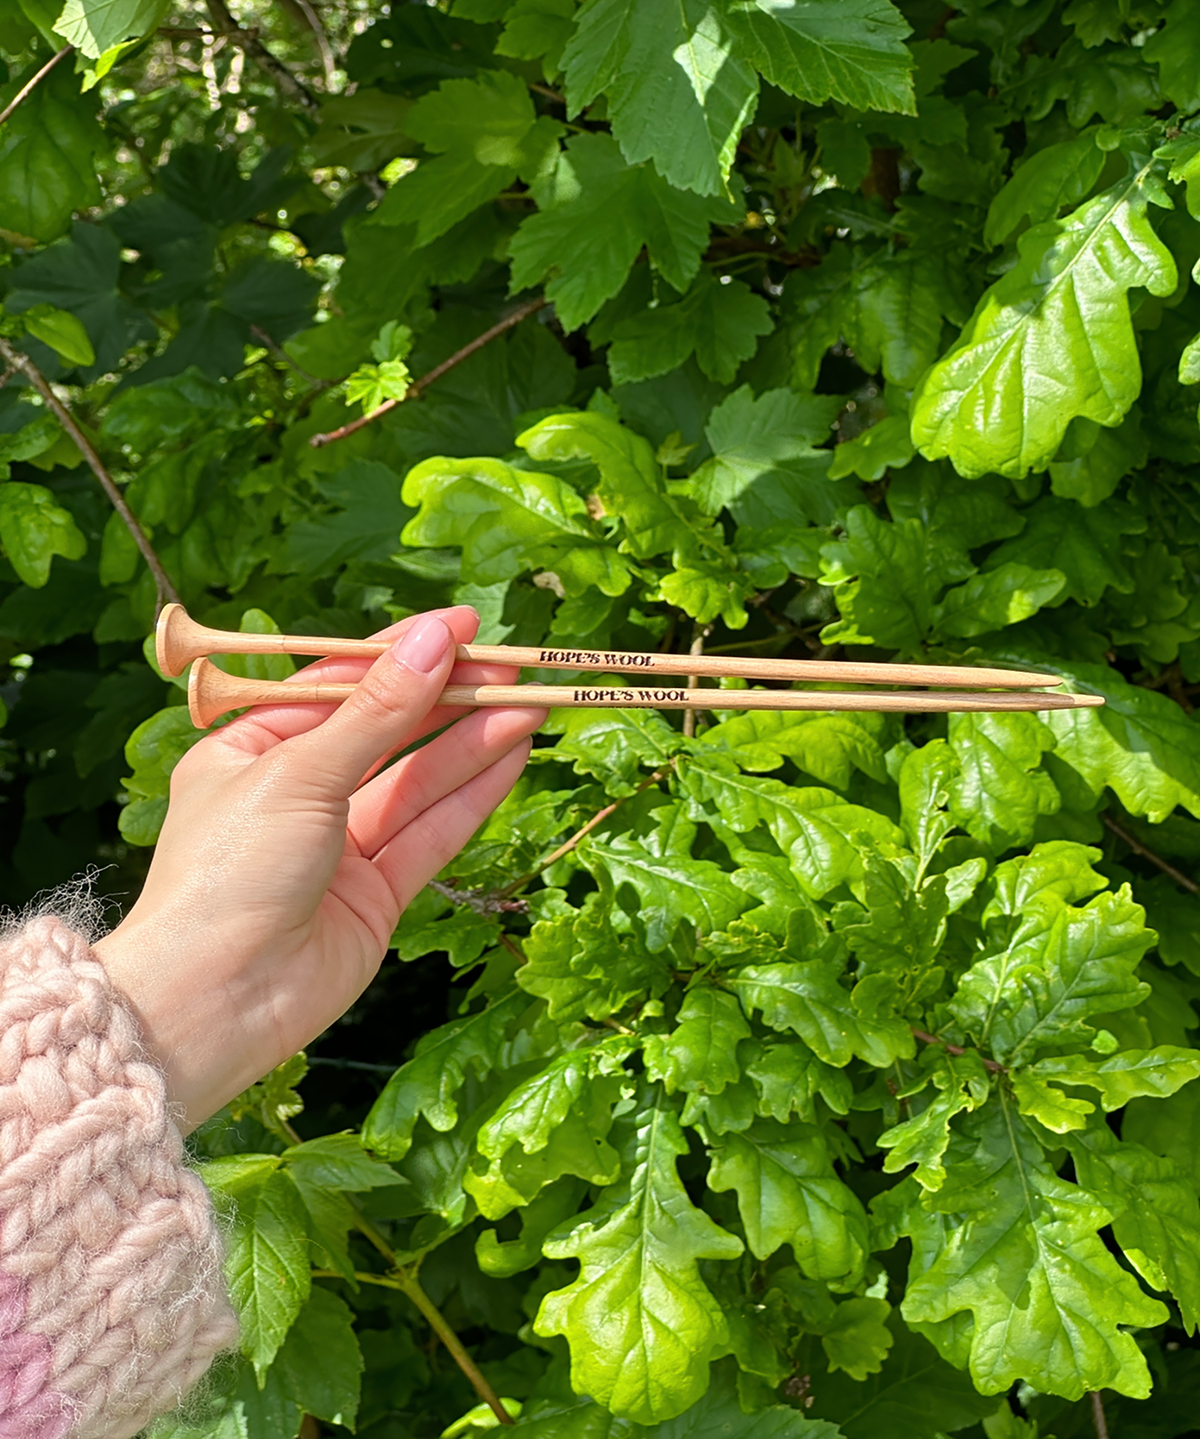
(284, 865)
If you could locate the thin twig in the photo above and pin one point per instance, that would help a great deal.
(957, 1049)
(556, 95)
(598, 818)
(412, 1288)
(482, 901)
(30, 84)
(20, 361)
(281, 354)
(225, 24)
(1139, 848)
(418, 386)
(1098, 1415)
(328, 64)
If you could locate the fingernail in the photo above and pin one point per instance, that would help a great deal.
(424, 646)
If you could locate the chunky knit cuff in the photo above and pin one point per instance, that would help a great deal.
(112, 1300)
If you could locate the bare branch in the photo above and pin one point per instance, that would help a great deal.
(18, 360)
(225, 24)
(1139, 848)
(1098, 1418)
(418, 386)
(328, 63)
(482, 901)
(29, 85)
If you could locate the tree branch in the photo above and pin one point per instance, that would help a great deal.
(419, 386)
(328, 64)
(927, 1038)
(21, 361)
(411, 1286)
(598, 818)
(1139, 848)
(225, 24)
(482, 901)
(29, 85)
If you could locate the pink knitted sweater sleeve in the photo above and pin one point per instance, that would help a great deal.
(112, 1300)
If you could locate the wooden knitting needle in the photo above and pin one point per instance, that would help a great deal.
(180, 640)
(212, 693)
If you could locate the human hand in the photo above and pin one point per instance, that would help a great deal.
(286, 859)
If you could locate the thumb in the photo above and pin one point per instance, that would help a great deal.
(391, 699)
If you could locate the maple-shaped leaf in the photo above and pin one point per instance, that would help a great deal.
(1051, 339)
(594, 218)
(788, 1193)
(830, 50)
(1062, 965)
(719, 320)
(429, 1081)
(639, 1319)
(1017, 1246)
(678, 89)
(483, 133)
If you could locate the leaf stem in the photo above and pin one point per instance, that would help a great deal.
(1098, 1418)
(29, 85)
(1139, 848)
(515, 318)
(21, 361)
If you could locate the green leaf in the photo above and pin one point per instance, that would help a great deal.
(152, 752)
(1062, 965)
(881, 582)
(1046, 182)
(1025, 1258)
(94, 26)
(372, 384)
(1156, 1217)
(828, 746)
(362, 131)
(429, 1081)
(678, 90)
(1000, 789)
(830, 50)
(267, 1260)
(915, 1394)
(1086, 545)
(366, 525)
(1002, 596)
(507, 520)
(961, 1083)
(640, 1321)
(47, 166)
(1050, 340)
(594, 221)
(62, 332)
(719, 1415)
(788, 1193)
(700, 1054)
(34, 528)
(823, 835)
(320, 1363)
(808, 999)
(483, 133)
(1125, 1076)
(338, 1161)
(1169, 1128)
(1052, 874)
(718, 321)
(925, 779)
(1169, 48)
(763, 466)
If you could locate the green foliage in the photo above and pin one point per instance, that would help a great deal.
(784, 1076)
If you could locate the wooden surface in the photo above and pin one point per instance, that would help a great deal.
(179, 640)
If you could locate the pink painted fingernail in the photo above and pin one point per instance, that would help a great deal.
(424, 646)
